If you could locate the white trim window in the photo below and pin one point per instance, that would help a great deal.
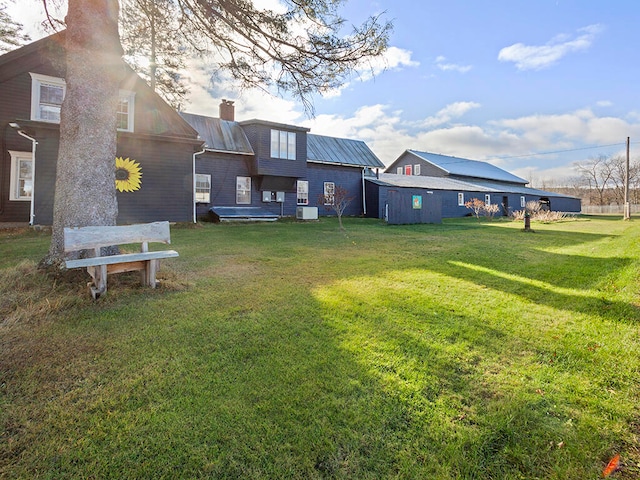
(461, 199)
(303, 192)
(329, 193)
(416, 169)
(523, 201)
(203, 188)
(487, 199)
(47, 94)
(125, 112)
(399, 171)
(283, 144)
(21, 180)
(407, 169)
(243, 190)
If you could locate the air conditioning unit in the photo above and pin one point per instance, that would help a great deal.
(307, 213)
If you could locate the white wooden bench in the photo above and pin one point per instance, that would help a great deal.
(98, 266)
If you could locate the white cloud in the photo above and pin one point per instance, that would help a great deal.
(450, 112)
(604, 103)
(538, 57)
(446, 66)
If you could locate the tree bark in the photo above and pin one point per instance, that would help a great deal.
(85, 191)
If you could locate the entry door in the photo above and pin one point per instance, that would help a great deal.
(505, 206)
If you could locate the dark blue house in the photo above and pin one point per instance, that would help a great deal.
(438, 186)
(258, 169)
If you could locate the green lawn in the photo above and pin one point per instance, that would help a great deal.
(468, 350)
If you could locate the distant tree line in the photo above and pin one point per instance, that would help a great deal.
(600, 181)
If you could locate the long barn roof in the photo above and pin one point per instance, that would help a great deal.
(462, 167)
(445, 183)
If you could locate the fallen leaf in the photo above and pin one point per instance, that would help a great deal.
(612, 466)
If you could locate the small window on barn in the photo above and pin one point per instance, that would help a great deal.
(461, 199)
(283, 144)
(487, 199)
(47, 94)
(329, 193)
(523, 202)
(407, 169)
(203, 188)
(243, 190)
(21, 181)
(416, 169)
(125, 111)
(399, 171)
(303, 192)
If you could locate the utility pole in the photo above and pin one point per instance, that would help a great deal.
(627, 207)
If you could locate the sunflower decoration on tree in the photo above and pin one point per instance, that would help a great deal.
(128, 175)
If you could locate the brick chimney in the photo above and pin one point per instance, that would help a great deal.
(227, 110)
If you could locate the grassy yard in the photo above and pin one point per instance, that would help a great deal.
(467, 350)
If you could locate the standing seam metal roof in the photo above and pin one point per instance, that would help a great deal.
(444, 183)
(220, 135)
(468, 168)
(340, 151)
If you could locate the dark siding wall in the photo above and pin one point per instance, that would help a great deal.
(259, 137)
(346, 177)
(167, 182)
(166, 192)
(223, 170)
(400, 206)
(15, 104)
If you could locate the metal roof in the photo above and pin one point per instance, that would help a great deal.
(220, 135)
(444, 183)
(468, 168)
(340, 151)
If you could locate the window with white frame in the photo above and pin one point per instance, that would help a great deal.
(125, 112)
(487, 199)
(399, 170)
(329, 193)
(283, 144)
(303, 192)
(47, 94)
(21, 180)
(460, 199)
(416, 169)
(523, 202)
(243, 190)
(407, 169)
(203, 188)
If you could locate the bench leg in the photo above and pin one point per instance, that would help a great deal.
(149, 273)
(99, 284)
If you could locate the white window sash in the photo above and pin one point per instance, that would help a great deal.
(21, 178)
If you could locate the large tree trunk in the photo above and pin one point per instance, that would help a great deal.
(85, 181)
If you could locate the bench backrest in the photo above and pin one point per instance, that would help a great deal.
(84, 238)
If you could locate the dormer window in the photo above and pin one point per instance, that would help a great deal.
(283, 144)
(47, 94)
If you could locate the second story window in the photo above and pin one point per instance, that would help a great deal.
(124, 120)
(283, 144)
(47, 94)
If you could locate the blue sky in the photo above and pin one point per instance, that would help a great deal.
(495, 80)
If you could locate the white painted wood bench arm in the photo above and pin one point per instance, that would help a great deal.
(99, 267)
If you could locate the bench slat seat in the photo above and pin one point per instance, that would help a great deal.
(122, 258)
(93, 238)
